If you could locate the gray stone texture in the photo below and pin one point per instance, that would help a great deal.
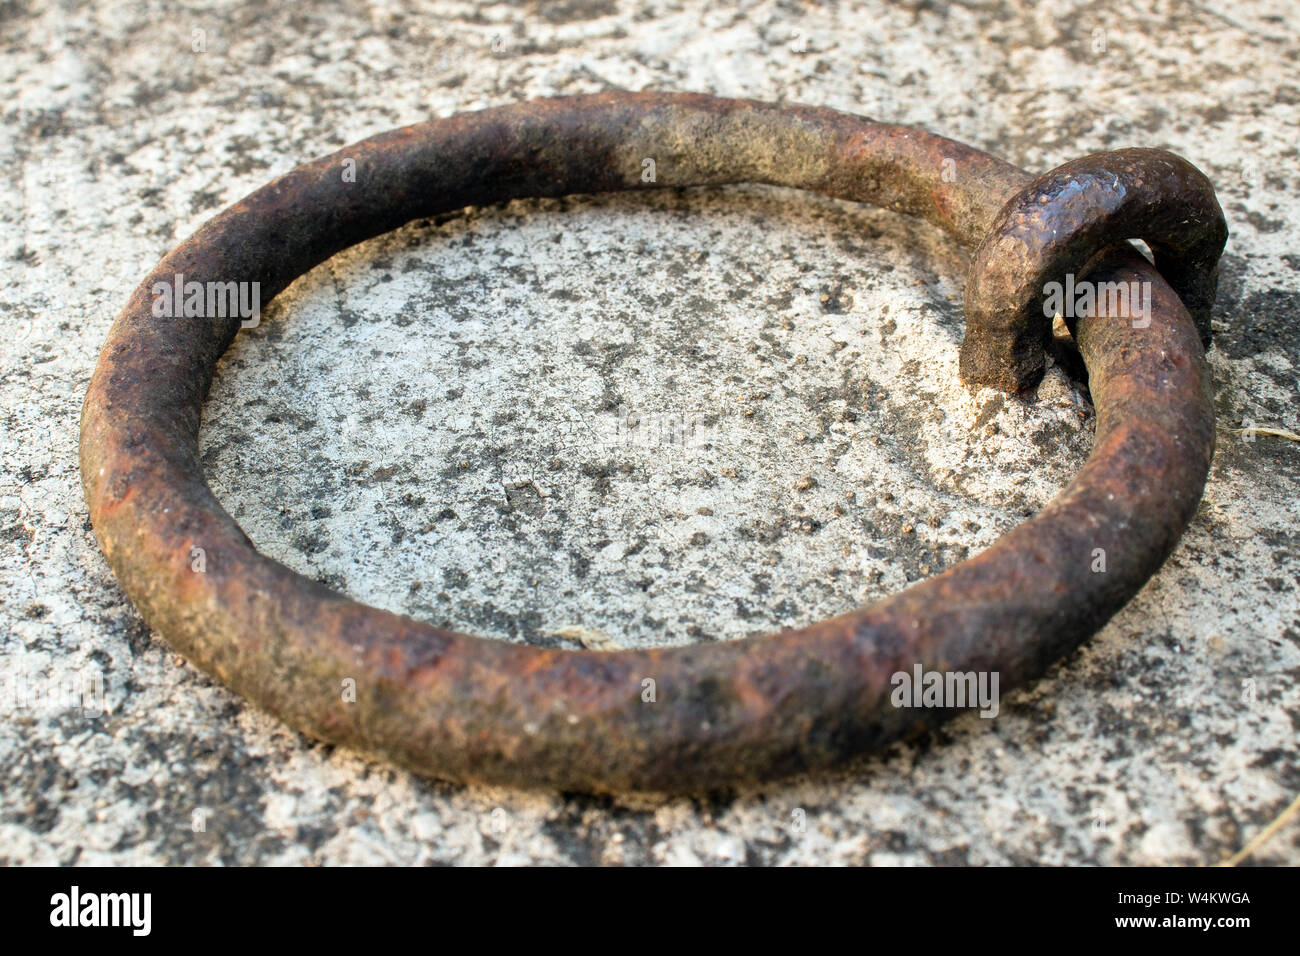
(430, 422)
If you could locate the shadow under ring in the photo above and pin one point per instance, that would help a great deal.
(463, 708)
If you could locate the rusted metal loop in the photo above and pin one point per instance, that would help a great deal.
(464, 708)
(1055, 228)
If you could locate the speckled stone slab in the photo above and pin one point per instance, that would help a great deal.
(600, 421)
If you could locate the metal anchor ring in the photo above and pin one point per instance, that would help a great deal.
(1058, 224)
(469, 709)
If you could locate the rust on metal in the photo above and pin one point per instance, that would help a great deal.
(1058, 225)
(468, 709)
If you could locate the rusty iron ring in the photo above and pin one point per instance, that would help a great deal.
(469, 709)
(1058, 224)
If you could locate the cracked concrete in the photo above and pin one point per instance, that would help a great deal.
(626, 416)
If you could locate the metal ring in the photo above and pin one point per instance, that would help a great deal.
(1058, 224)
(469, 709)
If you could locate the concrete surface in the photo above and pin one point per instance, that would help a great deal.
(431, 422)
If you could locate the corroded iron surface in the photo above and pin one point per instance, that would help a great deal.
(1058, 224)
(464, 708)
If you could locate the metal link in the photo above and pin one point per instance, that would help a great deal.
(468, 709)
